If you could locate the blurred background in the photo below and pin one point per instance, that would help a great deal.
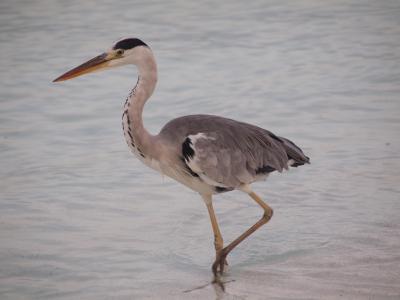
(81, 218)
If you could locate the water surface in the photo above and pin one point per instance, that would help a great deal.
(81, 218)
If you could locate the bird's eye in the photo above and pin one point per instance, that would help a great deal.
(120, 52)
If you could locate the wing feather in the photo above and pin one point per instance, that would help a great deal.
(229, 152)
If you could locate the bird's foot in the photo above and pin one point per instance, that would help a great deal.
(220, 263)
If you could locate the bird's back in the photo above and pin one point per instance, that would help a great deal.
(228, 153)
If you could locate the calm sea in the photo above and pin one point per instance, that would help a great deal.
(81, 218)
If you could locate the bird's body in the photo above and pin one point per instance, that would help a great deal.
(212, 154)
(209, 154)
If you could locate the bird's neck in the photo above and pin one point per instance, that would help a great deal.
(135, 132)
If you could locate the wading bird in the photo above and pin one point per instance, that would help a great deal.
(208, 154)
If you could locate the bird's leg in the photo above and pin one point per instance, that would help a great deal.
(264, 219)
(218, 241)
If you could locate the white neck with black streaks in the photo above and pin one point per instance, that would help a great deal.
(137, 137)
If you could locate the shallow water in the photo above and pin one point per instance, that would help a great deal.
(80, 218)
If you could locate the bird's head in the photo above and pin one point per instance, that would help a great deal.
(123, 52)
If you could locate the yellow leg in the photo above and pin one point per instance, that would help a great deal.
(221, 256)
(218, 241)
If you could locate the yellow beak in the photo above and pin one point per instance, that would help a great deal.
(94, 64)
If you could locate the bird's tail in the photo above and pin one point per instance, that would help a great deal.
(295, 153)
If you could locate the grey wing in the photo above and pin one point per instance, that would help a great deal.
(226, 153)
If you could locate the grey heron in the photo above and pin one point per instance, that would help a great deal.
(207, 153)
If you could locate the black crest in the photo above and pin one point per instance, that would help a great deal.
(127, 44)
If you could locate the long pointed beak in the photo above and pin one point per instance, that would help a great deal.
(94, 64)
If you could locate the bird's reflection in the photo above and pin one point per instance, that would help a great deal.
(218, 283)
(219, 287)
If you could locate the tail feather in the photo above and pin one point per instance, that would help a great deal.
(295, 153)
